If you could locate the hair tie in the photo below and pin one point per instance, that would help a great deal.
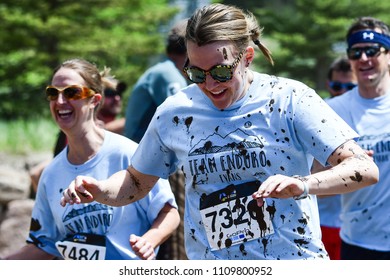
(256, 41)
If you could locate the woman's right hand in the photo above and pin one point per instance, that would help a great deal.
(81, 190)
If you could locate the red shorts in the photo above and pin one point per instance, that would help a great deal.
(332, 241)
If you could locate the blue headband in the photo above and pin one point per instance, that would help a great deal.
(369, 36)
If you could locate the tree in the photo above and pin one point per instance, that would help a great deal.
(306, 35)
(37, 35)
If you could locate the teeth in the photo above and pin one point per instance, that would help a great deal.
(65, 111)
(216, 93)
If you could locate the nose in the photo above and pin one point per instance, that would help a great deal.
(210, 83)
(61, 98)
(364, 56)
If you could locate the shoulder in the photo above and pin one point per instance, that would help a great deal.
(343, 100)
(116, 140)
(280, 90)
(277, 83)
(186, 96)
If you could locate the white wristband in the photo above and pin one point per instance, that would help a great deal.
(305, 188)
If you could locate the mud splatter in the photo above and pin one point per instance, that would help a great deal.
(224, 53)
(175, 120)
(188, 122)
(35, 225)
(357, 178)
(264, 241)
(242, 249)
(271, 210)
(192, 234)
(301, 242)
(257, 212)
(301, 230)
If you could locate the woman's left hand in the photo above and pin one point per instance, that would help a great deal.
(279, 186)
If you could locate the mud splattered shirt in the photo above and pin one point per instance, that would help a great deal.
(276, 128)
(52, 223)
(365, 213)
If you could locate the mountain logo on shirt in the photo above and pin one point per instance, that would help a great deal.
(82, 211)
(209, 146)
(224, 158)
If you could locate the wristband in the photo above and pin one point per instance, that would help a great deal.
(305, 188)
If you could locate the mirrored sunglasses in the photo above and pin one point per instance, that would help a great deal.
(371, 51)
(220, 73)
(73, 92)
(337, 86)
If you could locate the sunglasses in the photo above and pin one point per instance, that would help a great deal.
(337, 86)
(108, 92)
(73, 92)
(220, 73)
(371, 51)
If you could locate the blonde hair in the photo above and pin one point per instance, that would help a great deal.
(219, 22)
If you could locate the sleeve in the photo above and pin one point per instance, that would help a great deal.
(319, 128)
(152, 156)
(43, 231)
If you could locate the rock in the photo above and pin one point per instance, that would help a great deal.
(15, 225)
(14, 184)
(15, 202)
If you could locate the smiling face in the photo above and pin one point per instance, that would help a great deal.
(370, 70)
(221, 94)
(71, 114)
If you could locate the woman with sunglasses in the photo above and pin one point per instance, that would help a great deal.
(106, 117)
(365, 227)
(245, 142)
(92, 231)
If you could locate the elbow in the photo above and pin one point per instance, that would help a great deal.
(376, 176)
(175, 218)
(373, 174)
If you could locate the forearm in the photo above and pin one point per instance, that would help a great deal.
(350, 175)
(165, 224)
(125, 187)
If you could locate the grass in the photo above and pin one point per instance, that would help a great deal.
(26, 136)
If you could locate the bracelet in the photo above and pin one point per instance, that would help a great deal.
(305, 188)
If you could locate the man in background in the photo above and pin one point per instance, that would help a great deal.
(339, 80)
(152, 88)
(340, 77)
(156, 84)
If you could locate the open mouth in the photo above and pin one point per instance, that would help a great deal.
(64, 114)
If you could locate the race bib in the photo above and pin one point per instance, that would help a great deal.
(230, 216)
(83, 246)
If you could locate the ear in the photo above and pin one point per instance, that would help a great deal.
(249, 55)
(96, 99)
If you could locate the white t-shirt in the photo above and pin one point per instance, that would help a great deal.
(106, 226)
(366, 213)
(276, 128)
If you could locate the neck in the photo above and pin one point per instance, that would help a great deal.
(84, 145)
(374, 89)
